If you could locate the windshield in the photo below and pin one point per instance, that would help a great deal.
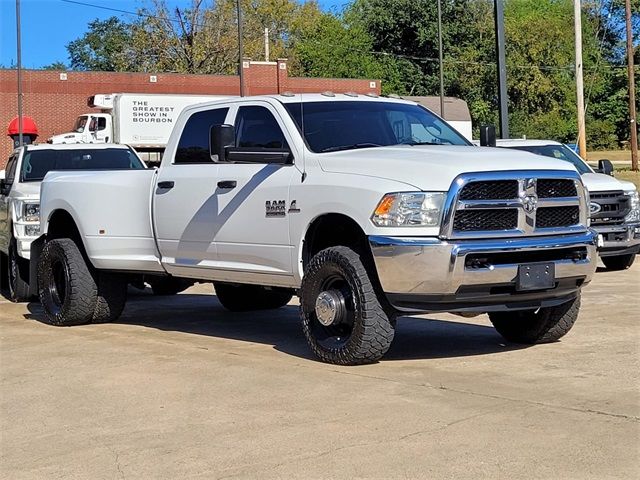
(333, 126)
(561, 152)
(80, 123)
(37, 163)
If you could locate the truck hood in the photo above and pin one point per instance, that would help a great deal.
(70, 137)
(26, 191)
(599, 182)
(433, 167)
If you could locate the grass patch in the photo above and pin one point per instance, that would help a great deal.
(628, 175)
(613, 155)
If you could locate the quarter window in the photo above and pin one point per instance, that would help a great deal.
(193, 146)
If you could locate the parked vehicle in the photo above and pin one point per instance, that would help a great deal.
(20, 198)
(614, 205)
(143, 121)
(364, 207)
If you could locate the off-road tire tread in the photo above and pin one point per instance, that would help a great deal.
(247, 298)
(549, 325)
(111, 297)
(619, 262)
(82, 295)
(372, 334)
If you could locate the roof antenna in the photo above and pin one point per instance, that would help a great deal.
(304, 141)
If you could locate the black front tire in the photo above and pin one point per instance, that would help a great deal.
(17, 285)
(246, 298)
(543, 325)
(66, 287)
(361, 331)
(619, 262)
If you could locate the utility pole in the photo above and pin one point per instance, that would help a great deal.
(240, 49)
(582, 134)
(19, 55)
(632, 91)
(440, 58)
(502, 69)
(266, 44)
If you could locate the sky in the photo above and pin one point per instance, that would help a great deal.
(49, 25)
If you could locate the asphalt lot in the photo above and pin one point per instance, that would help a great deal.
(179, 388)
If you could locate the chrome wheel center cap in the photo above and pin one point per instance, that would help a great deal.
(329, 307)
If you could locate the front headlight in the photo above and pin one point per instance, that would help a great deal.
(411, 209)
(634, 214)
(31, 212)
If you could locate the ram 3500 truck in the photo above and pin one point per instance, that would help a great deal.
(20, 199)
(366, 208)
(614, 207)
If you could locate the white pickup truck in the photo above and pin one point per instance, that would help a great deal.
(20, 198)
(366, 208)
(614, 207)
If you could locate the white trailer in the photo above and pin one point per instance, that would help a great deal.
(143, 121)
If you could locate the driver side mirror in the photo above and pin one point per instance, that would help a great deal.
(487, 136)
(5, 187)
(605, 166)
(221, 137)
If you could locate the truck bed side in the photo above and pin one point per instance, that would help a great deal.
(112, 212)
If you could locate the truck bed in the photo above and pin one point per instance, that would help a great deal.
(115, 208)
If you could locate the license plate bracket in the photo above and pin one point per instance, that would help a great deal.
(536, 276)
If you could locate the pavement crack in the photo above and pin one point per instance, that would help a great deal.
(496, 397)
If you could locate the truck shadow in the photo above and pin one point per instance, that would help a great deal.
(416, 338)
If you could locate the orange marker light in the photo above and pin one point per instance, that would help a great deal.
(385, 205)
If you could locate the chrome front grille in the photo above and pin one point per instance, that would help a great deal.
(518, 203)
(609, 208)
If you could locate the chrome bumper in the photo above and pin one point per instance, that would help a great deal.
(429, 274)
(619, 239)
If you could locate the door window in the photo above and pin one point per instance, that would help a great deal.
(10, 172)
(257, 128)
(102, 123)
(193, 146)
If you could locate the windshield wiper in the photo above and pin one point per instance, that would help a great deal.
(349, 147)
(420, 143)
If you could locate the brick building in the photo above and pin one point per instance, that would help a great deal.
(54, 99)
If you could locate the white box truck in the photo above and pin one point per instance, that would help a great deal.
(143, 121)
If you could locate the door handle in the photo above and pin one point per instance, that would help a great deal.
(166, 184)
(227, 184)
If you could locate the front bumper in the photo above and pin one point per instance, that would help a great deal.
(429, 274)
(619, 239)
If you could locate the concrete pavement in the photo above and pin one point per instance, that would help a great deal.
(179, 388)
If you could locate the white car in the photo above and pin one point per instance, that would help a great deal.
(20, 198)
(365, 207)
(614, 206)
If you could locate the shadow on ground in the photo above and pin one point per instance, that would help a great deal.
(416, 338)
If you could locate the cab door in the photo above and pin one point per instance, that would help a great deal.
(252, 231)
(5, 216)
(185, 199)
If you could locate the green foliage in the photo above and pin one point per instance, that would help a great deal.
(396, 41)
(55, 66)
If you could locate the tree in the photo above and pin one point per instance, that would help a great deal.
(101, 48)
(55, 66)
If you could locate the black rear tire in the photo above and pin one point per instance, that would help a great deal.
(357, 330)
(619, 262)
(66, 287)
(167, 285)
(18, 287)
(246, 298)
(111, 297)
(544, 325)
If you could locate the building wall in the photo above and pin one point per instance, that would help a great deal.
(54, 99)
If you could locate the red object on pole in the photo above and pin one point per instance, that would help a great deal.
(29, 127)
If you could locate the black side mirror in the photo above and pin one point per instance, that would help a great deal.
(487, 136)
(5, 187)
(605, 166)
(221, 137)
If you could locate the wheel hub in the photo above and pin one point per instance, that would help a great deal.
(330, 307)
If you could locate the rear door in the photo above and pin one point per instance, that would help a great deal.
(185, 201)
